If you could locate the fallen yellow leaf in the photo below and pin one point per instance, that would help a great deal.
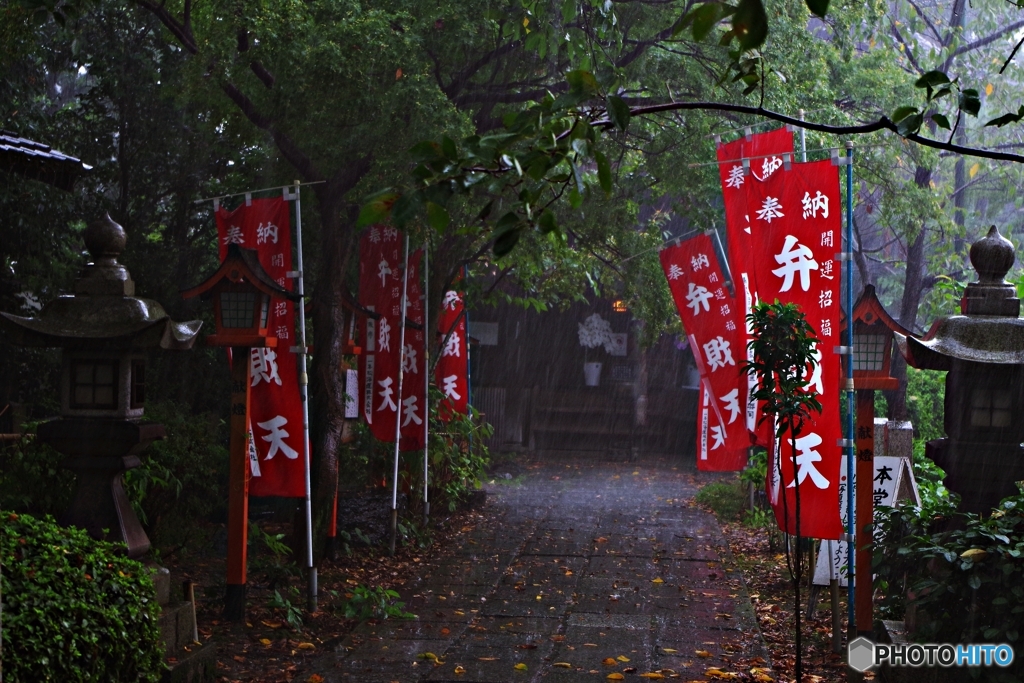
(427, 655)
(616, 676)
(714, 672)
(520, 667)
(608, 661)
(272, 624)
(622, 658)
(316, 678)
(562, 665)
(653, 674)
(459, 670)
(703, 653)
(307, 646)
(265, 641)
(658, 580)
(668, 650)
(488, 659)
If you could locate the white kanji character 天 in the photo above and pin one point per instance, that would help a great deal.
(386, 393)
(732, 404)
(276, 437)
(450, 387)
(409, 411)
(718, 432)
(805, 459)
(795, 258)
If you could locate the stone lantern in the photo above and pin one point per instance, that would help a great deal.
(103, 332)
(983, 351)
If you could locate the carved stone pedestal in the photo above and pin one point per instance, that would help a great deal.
(99, 452)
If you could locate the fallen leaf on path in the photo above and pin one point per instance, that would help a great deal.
(658, 580)
(488, 659)
(669, 650)
(459, 670)
(562, 665)
(608, 661)
(272, 624)
(622, 658)
(703, 653)
(307, 646)
(715, 672)
(615, 677)
(557, 639)
(652, 674)
(520, 667)
(265, 641)
(316, 678)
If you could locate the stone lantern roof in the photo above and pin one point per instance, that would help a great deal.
(989, 329)
(103, 312)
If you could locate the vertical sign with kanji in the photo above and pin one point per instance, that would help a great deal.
(414, 402)
(762, 155)
(451, 371)
(380, 290)
(276, 432)
(706, 308)
(795, 231)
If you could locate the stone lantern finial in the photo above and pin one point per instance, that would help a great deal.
(992, 257)
(105, 241)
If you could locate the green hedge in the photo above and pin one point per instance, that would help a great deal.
(74, 609)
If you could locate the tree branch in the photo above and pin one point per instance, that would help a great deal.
(883, 123)
(182, 30)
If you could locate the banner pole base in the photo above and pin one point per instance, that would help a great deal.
(394, 531)
(312, 590)
(234, 602)
(426, 513)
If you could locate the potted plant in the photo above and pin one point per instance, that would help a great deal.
(594, 331)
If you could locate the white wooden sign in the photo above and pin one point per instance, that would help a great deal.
(893, 482)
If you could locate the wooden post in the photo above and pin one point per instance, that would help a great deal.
(865, 510)
(238, 486)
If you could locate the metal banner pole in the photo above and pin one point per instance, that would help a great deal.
(398, 415)
(851, 401)
(302, 349)
(426, 379)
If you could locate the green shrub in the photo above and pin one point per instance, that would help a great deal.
(926, 391)
(183, 477)
(31, 478)
(726, 499)
(74, 609)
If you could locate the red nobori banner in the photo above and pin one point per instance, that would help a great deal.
(275, 408)
(451, 372)
(381, 259)
(796, 231)
(742, 164)
(707, 311)
(414, 400)
(380, 290)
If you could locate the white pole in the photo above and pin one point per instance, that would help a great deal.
(398, 416)
(301, 350)
(426, 378)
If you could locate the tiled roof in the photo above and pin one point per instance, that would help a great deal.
(39, 162)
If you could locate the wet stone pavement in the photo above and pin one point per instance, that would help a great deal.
(582, 561)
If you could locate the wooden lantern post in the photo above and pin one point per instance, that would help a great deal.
(241, 291)
(872, 356)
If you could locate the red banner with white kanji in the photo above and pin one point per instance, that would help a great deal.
(796, 226)
(451, 372)
(707, 311)
(414, 388)
(381, 262)
(743, 164)
(380, 290)
(275, 409)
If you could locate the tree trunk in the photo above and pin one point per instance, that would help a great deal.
(913, 289)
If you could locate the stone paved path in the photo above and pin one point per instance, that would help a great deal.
(582, 561)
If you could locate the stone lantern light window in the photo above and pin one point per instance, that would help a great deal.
(991, 408)
(94, 384)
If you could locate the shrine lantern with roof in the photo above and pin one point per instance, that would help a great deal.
(873, 330)
(104, 332)
(241, 291)
(982, 350)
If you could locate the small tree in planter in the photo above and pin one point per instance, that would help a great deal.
(783, 346)
(595, 331)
